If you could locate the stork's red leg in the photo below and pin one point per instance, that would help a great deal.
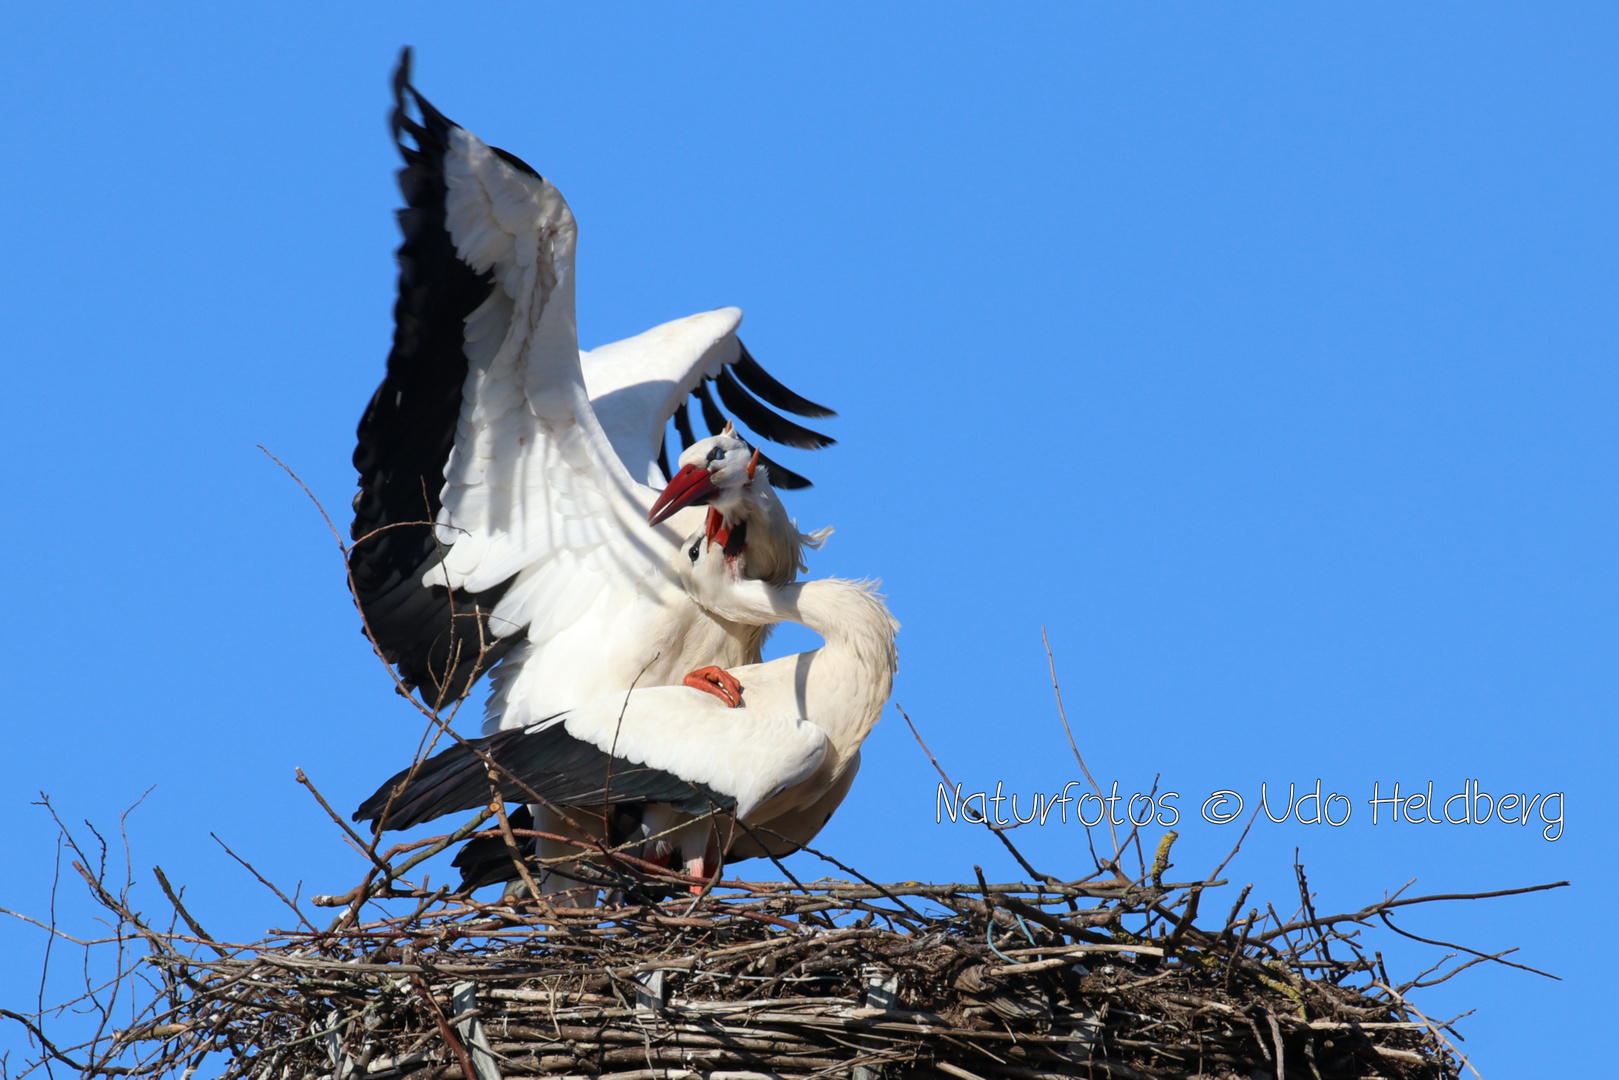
(717, 681)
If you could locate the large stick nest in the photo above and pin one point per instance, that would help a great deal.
(1110, 978)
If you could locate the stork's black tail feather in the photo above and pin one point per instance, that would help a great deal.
(543, 762)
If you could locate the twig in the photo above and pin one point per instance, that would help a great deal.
(999, 833)
(1372, 909)
(354, 837)
(1074, 746)
(1439, 1036)
(168, 890)
(1383, 915)
(262, 880)
(498, 806)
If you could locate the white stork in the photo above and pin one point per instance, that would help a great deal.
(536, 462)
(781, 763)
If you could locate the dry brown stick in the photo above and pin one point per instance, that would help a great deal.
(49, 1046)
(263, 880)
(1421, 984)
(1231, 917)
(1429, 970)
(1387, 905)
(118, 905)
(1074, 746)
(1309, 908)
(1134, 836)
(1237, 950)
(999, 833)
(1383, 915)
(498, 805)
(159, 945)
(168, 890)
(354, 837)
(1281, 1050)
(444, 1028)
(362, 892)
(1276, 920)
(881, 891)
(1172, 943)
(54, 931)
(50, 939)
(769, 854)
(1433, 1029)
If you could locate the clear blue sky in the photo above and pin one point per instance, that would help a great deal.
(1264, 355)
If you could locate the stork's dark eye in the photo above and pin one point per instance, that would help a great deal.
(715, 454)
(695, 549)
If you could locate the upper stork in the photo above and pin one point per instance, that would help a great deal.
(506, 478)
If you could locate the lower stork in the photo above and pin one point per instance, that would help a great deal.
(779, 764)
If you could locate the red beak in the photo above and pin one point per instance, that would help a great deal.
(690, 487)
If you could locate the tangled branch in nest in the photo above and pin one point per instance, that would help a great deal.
(830, 978)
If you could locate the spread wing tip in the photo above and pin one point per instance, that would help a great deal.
(771, 425)
(770, 389)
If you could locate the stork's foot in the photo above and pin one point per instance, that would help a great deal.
(697, 868)
(717, 681)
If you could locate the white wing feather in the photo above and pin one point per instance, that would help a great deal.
(745, 753)
(636, 384)
(535, 490)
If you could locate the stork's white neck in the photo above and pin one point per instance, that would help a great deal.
(774, 544)
(849, 680)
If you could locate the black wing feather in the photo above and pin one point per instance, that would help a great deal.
(782, 477)
(663, 459)
(547, 762)
(683, 425)
(766, 423)
(488, 860)
(712, 417)
(771, 391)
(408, 429)
(771, 425)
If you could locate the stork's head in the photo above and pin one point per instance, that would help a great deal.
(720, 471)
(723, 473)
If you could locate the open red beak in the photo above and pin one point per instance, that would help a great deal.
(690, 487)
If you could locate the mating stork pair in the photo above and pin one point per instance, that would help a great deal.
(509, 516)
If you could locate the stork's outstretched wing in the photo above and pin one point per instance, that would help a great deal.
(484, 422)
